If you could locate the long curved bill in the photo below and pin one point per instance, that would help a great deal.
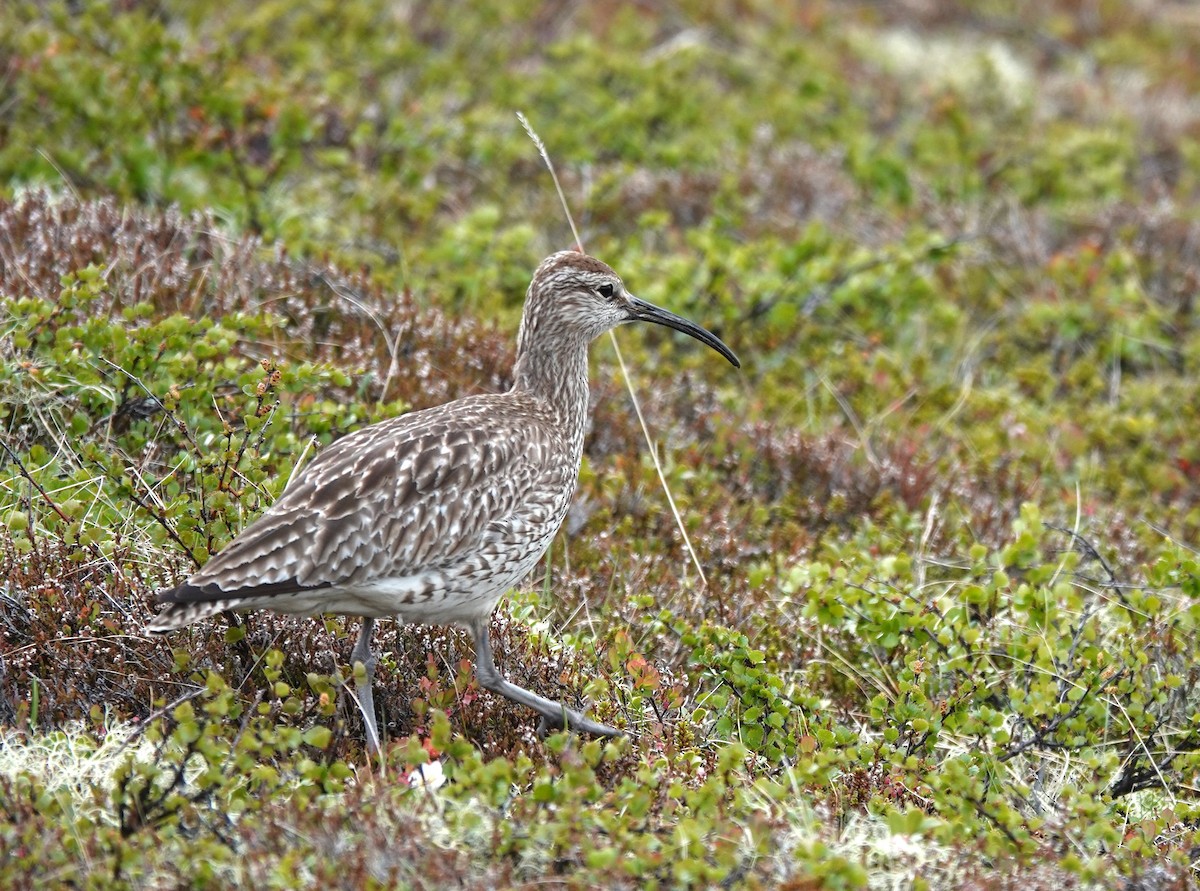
(648, 312)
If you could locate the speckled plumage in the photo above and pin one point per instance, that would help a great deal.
(432, 516)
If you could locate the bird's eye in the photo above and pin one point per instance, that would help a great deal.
(605, 291)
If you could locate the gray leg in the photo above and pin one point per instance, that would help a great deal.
(366, 699)
(554, 714)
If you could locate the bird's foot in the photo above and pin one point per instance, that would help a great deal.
(553, 722)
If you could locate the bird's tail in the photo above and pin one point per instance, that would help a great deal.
(177, 615)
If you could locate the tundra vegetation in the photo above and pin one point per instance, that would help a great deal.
(947, 515)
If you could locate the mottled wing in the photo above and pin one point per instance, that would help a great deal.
(407, 496)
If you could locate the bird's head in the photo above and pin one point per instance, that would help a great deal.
(572, 293)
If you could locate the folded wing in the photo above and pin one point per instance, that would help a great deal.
(397, 499)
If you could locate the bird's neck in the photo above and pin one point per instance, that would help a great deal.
(557, 376)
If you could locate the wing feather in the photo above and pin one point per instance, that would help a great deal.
(405, 496)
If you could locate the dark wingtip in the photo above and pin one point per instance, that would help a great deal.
(188, 593)
(170, 595)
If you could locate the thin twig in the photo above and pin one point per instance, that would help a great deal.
(1089, 550)
(162, 521)
(153, 716)
(393, 346)
(29, 476)
(662, 478)
(179, 425)
(863, 436)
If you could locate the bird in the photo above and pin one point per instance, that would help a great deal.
(432, 516)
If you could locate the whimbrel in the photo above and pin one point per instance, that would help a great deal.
(433, 515)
